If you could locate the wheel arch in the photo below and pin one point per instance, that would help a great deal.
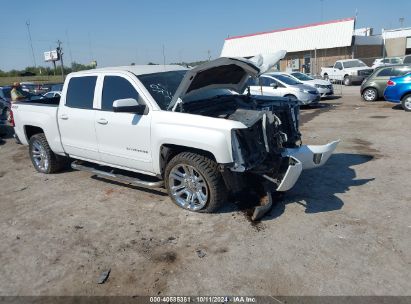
(168, 151)
(30, 130)
(405, 94)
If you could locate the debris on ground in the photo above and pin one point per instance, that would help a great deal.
(103, 276)
(201, 253)
(265, 205)
(78, 227)
(21, 189)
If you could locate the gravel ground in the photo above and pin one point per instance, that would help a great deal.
(344, 229)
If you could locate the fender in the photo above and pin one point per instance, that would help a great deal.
(193, 131)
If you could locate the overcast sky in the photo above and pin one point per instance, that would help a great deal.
(121, 32)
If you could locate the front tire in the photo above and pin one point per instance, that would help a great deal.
(370, 94)
(194, 182)
(406, 103)
(43, 158)
(292, 97)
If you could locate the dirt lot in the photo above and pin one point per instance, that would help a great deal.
(344, 229)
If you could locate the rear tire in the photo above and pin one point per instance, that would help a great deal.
(406, 103)
(7, 114)
(194, 182)
(370, 94)
(347, 81)
(43, 158)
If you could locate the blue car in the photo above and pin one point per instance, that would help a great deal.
(399, 91)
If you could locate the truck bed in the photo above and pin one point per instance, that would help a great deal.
(38, 113)
(41, 102)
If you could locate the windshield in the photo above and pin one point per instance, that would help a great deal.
(286, 79)
(162, 86)
(354, 64)
(302, 76)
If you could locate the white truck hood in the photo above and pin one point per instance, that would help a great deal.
(225, 73)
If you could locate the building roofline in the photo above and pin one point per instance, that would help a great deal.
(292, 28)
(396, 30)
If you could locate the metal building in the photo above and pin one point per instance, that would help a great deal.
(309, 46)
(397, 42)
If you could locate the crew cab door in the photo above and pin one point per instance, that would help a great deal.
(123, 138)
(338, 71)
(76, 118)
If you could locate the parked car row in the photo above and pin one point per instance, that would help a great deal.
(373, 87)
(295, 86)
(40, 89)
(30, 92)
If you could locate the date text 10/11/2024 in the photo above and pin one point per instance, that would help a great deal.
(203, 299)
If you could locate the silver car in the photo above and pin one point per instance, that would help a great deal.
(281, 85)
(324, 87)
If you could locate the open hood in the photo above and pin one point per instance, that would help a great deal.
(225, 73)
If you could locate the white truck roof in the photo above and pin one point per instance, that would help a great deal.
(136, 69)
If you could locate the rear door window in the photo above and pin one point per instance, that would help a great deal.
(338, 65)
(80, 92)
(116, 87)
(385, 73)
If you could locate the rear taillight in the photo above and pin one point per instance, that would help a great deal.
(11, 119)
(391, 83)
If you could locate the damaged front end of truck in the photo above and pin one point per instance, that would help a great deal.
(267, 153)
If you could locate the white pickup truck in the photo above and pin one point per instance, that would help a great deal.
(348, 71)
(190, 131)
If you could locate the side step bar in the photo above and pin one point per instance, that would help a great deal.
(76, 165)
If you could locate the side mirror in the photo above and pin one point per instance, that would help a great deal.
(274, 85)
(129, 105)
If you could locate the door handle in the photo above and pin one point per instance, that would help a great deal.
(102, 121)
(64, 116)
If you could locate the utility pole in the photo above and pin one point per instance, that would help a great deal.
(209, 55)
(31, 42)
(60, 55)
(401, 20)
(164, 55)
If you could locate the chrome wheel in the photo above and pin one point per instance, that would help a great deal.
(39, 156)
(188, 187)
(370, 95)
(407, 103)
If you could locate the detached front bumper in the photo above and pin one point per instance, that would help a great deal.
(303, 158)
